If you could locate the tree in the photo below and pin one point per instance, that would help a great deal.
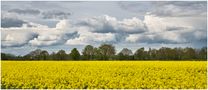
(153, 54)
(5, 56)
(97, 54)
(34, 55)
(126, 51)
(44, 55)
(75, 54)
(203, 53)
(107, 50)
(61, 55)
(189, 53)
(125, 54)
(121, 56)
(139, 54)
(53, 56)
(88, 52)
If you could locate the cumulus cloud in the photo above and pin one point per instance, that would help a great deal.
(178, 30)
(45, 40)
(86, 37)
(54, 36)
(15, 38)
(159, 38)
(12, 20)
(107, 29)
(36, 36)
(107, 24)
(124, 24)
(160, 24)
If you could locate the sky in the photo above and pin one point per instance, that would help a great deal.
(53, 25)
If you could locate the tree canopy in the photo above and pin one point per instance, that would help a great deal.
(75, 54)
(108, 52)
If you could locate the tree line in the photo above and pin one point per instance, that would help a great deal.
(108, 52)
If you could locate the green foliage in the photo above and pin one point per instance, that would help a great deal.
(75, 54)
(88, 52)
(61, 55)
(44, 55)
(108, 52)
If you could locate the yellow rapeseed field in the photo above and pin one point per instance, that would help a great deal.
(104, 74)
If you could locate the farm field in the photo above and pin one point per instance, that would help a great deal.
(104, 74)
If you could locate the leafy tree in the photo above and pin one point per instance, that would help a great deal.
(44, 55)
(61, 55)
(97, 55)
(203, 53)
(75, 54)
(88, 52)
(34, 55)
(53, 56)
(189, 53)
(5, 56)
(153, 54)
(125, 54)
(126, 51)
(139, 54)
(121, 56)
(107, 50)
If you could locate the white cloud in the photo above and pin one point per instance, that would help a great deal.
(154, 24)
(63, 25)
(171, 30)
(12, 38)
(86, 37)
(106, 24)
(54, 36)
(36, 36)
(107, 29)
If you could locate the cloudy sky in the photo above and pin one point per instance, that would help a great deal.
(26, 26)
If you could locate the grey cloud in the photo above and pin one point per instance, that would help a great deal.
(196, 36)
(120, 37)
(158, 39)
(194, 4)
(110, 30)
(192, 37)
(137, 6)
(180, 8)
(70, 35)
(11, 22)
(45, 14)
(106, 28)
(25, 11)
(167, 8)
(175, 28)
(55, 14)
(8, 22)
